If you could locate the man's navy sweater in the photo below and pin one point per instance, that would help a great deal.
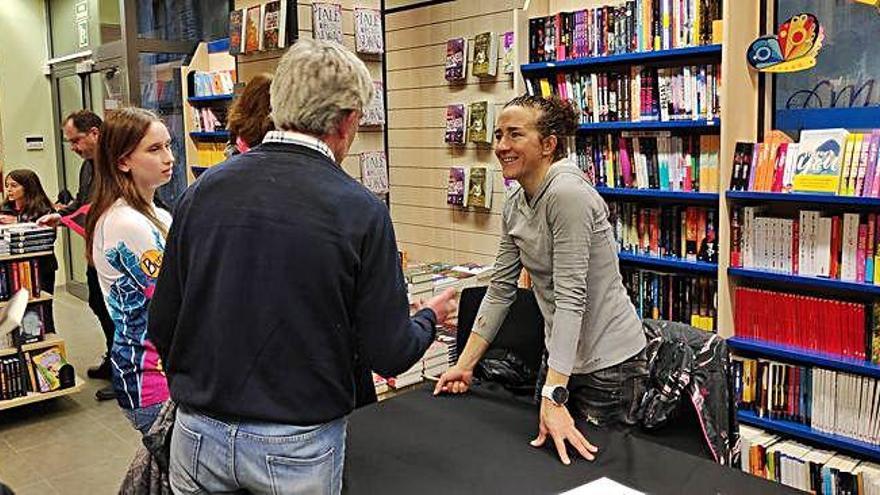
(279, 272)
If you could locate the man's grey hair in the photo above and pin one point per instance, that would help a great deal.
(316, 84)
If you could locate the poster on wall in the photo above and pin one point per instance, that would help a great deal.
(793, 48)
(81, 19)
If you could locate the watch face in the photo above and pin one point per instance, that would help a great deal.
(560, 395)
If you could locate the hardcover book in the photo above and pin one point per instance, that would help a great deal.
(374, 171)
(236, 31)
(273, 25)
(368, 31)
(456, 59)
(455, 191)
(253, 29)
(508, 65)
(820, 156)
(481, 122)
(455, 130)
(327, 22)
(485, 55)
(374, 113)
(479, 187)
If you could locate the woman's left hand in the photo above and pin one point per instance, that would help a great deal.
(7, 219)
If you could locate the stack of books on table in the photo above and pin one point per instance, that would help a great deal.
(427, 279)
(23, 238)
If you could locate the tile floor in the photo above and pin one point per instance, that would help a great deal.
(70, 445)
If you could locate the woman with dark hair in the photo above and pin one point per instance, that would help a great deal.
(250, 115)
(26, 201)
(555, 225)
(125, 236)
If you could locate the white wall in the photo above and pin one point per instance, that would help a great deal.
(25, 95)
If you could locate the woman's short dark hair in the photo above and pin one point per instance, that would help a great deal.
(250, 115)
(556, 117)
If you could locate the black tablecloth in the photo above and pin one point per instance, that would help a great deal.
(478, 443)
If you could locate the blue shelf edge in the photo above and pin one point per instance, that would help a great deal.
(673, 263)
(806, 433)
(805, 198)
(796, 119)
(705, 50)
(804, 356)
(210, 135)
(652, 124)
(619, 192)
(217, 46)
(825, 283)
(195, 99)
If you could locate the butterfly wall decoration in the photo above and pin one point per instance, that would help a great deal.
(793, 48)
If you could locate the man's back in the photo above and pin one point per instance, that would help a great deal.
(286, 269)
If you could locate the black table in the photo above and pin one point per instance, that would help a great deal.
(478, 443)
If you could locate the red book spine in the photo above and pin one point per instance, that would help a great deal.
(16, 283)
(35, 276)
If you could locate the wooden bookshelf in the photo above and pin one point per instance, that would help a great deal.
(33, 397)
(44, 296)
(50, 340)
(14, 257)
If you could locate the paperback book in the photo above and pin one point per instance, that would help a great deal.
(374, 171)
(485, 55)
(481, 122)
(368, 31)
(455, 128)
(456, 59)
(327, 22)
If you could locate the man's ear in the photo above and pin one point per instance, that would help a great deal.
(549, 144)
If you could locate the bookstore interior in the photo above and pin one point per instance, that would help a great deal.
(726, 151)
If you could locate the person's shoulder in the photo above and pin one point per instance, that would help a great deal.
(121, 219)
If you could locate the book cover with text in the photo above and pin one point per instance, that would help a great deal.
(368, 31)
(327, 22)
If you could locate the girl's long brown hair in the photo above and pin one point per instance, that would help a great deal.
(36, 202)
(250, 114)
(120, 135)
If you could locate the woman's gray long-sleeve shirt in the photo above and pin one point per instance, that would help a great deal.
(563, 238)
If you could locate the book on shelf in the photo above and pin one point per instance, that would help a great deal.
(627, 27)
(805, 467)
(327, 22)
(508, 58)
(481, 122)
(838, 246)
(253, 29)
(479, 187)
(456, 59)
(274, 25)
(14, 377)
(368, 31)
(47, 365)
(650, 160)
(456, 186)
(662, 296)
(236, 31)
(374, 171)
(823, 400)
(825, 161)
(680, 232)
(636, 94)
(212, 83)
(374, 113)
(485, 55)
(847, 330)
(455, 124)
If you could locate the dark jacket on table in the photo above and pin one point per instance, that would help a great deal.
(280, 279)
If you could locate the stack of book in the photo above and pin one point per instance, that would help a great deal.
(683, 232)
(845, 329)
(24, 238)
(639, 94)
(14, 377)
(650, 160)
(436, 360)
(806, 468)
(827, 161)
(825, 400)
(631, 26)
(662, 296)
(843, 247)
(424, 280)
(380, 383)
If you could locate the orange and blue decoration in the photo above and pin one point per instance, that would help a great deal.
(794, 48)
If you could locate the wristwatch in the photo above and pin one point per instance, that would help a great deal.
(557, 394)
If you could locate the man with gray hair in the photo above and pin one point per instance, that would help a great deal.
(280, 279)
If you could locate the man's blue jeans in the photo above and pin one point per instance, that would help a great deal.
(210, 455)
